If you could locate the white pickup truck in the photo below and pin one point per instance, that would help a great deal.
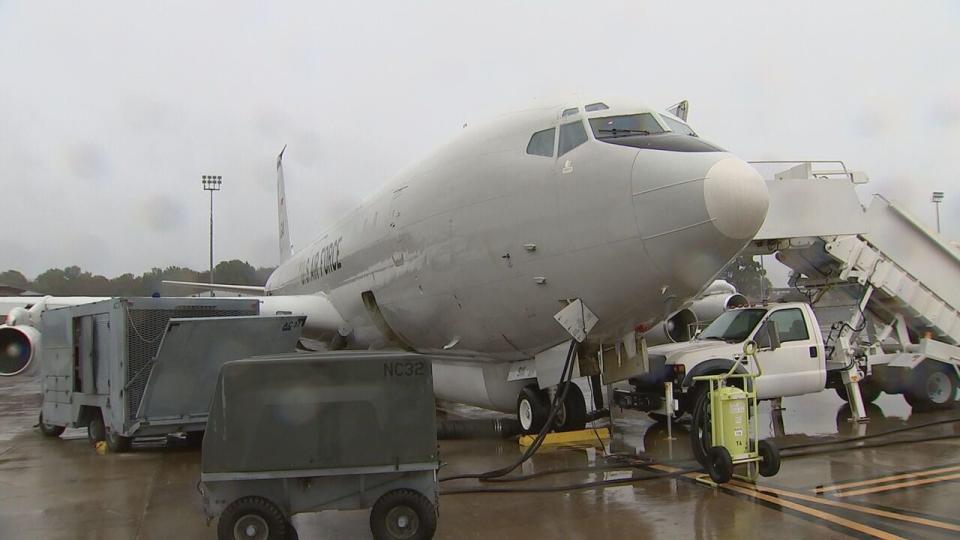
(790, 353)
(794, 359)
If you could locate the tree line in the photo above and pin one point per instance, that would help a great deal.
(73, 281)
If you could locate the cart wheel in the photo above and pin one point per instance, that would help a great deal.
(719, 465)
(50, 430)
(252, 518)
(96, 432)
(194, 439)
(117, 443)
(769, 458)
(701, 436)
(403, 514)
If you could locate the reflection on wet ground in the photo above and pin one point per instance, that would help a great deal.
(60, 488)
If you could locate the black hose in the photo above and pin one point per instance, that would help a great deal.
(565, 381)
(872, 435)
(567, 487)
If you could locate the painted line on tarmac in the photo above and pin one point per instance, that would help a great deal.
(853, 507)
(899, 485)
(807, 513)
(901, 476)
(813, 512)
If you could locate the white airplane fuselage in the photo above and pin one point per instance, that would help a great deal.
(474, 249)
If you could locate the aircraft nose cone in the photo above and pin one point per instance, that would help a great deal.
(736, 198)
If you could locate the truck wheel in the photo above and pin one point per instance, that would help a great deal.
(403, 514)
(932, 387)
(252, 518)
(869, 391)
(769, 458)
(95, 429)
(573, 412)
(50, 430)
(701, 438)
(532, 409)
(117, 443)
(719, 465)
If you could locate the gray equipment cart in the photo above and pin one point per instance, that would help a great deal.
(307, 432)
(133, 367)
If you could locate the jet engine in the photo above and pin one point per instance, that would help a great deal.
(19, 345)
(678, 328)
(720, 296)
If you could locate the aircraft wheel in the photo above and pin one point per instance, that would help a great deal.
(573, 412)
(533, 407)
(117, 443)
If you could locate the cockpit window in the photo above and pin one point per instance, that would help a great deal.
(677, 126)
(569, 112)
(541, 143)
(572, 135)
(623, 126)
(596, 107)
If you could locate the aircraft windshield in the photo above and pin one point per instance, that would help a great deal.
(733, 326)
(622, 126)
(677, 126)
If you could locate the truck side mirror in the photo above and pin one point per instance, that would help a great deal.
(768, 337)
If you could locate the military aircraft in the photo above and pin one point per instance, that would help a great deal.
(473, 251)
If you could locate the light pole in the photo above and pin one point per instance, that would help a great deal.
(211, 184)
(936, 199)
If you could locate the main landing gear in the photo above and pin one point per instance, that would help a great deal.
(533, 408)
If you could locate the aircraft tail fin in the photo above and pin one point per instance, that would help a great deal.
(286, 247)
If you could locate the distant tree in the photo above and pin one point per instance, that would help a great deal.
(750, 279)
(14, 278)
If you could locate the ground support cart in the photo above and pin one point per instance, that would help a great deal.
(307, 432)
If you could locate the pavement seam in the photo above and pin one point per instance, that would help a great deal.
(147, 498)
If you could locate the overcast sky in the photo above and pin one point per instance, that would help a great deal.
(111, 111)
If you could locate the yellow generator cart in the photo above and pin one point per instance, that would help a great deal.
(734, 429)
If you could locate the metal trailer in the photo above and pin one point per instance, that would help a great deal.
(308, 432)
(132, 367)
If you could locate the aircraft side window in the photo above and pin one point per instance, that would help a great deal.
(541, 143)
(790, 325)
(569, 112)
(598, 106)
(677, 126)
(572, 135)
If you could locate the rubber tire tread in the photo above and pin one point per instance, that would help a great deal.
(252, 505)
(426, 512)
(916, 391)
(538, 404)
(96, 431)
(701, 405)
(575, 407)
(770, 458)
(719, 464)
(50, 430)
(869, 391)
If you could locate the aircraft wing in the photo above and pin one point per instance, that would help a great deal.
(219, 287)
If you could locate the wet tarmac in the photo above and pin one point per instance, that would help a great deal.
(60, 488)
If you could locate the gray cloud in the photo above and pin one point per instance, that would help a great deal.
(111, 115)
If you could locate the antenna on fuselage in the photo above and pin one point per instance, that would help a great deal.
(286, 247)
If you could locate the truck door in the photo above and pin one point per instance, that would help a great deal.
(796, 367)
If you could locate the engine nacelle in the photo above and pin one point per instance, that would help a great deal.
(19, 348)
(680, 327)
(710, 307)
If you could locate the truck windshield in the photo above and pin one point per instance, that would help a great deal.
(733, 326)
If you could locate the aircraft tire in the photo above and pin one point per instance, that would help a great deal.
(533, 408)
(573, 412)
